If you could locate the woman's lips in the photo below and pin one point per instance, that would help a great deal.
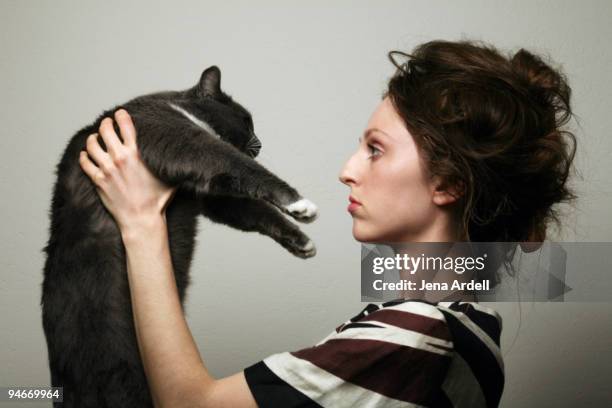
(353, 207)
(354, 204)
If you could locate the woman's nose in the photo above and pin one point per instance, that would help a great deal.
(347, 175)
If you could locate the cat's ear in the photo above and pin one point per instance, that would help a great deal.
(210, 81)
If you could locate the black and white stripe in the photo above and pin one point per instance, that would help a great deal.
(402, 353)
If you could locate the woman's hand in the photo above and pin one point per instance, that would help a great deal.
(126, 186)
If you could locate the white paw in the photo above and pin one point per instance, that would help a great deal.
(308, 247)
(303, 210)
(309, 250)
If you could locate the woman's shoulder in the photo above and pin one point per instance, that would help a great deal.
(384, 356)
(475, 317)
(468, 329)
(419, 318)
(404, 350)
(458, 322)
(473, 330)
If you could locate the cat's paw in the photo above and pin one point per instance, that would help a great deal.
(309, 250)
(300, 245)
(303, 210)
(306, 251)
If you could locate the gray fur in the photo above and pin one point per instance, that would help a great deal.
(86, 310)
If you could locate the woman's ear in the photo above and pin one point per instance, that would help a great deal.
(443, 193)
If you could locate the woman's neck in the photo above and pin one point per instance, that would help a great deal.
(438, 283)
(443, 228)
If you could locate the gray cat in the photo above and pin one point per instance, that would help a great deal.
(199, 140)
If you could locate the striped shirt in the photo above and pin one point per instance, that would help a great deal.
(401, 353)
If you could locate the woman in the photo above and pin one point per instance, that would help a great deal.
(466, 145)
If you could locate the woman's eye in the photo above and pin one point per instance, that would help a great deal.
(374, 151)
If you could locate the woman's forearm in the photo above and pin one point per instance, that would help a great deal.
(174, 368)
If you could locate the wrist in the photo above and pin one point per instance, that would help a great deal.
(143, 227)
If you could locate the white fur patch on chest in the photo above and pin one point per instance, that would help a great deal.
(199, 122)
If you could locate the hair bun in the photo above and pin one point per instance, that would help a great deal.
(547, 84)
(490, 124)
(536, 71)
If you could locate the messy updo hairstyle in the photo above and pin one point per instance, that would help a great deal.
(491, 127)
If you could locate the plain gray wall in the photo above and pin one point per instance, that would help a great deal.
(311, 76)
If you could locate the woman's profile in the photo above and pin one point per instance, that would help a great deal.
(466, 145)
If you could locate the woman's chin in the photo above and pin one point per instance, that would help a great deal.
(362, 234)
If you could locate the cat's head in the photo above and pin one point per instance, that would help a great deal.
(208, 106)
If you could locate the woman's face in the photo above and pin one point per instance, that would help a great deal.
(393, 199)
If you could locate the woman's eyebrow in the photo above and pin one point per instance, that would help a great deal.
(368, 132)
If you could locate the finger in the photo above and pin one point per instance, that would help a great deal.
(103, 197)
(111, 140)
(126, 127)
(102, 159)
(94, 173)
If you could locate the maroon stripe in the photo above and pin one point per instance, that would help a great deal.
(411, 321)
(396, 371)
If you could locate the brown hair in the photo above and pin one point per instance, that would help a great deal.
(490, 126)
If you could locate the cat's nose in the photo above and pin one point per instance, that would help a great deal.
(253, 146)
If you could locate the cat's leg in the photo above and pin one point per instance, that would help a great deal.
(206, 165)
(258, 183)
(248, 214)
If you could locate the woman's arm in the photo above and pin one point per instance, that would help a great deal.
(175, 371)
(174, 368)
(177, 375)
